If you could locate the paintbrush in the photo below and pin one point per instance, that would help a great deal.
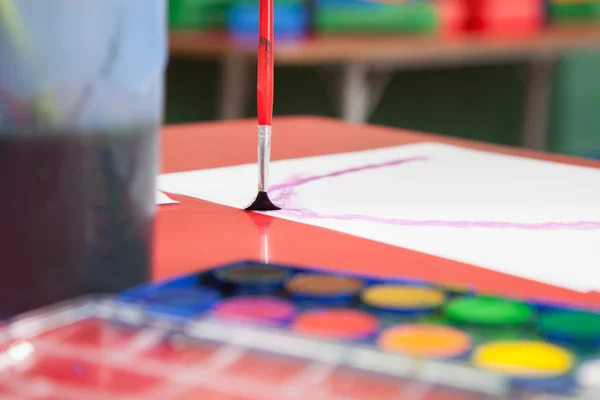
(264, 98)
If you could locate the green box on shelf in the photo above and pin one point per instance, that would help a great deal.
(276, 2)
(575, 11)
(419, 17)
(198, 14)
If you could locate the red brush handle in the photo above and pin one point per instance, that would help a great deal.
(264, 82)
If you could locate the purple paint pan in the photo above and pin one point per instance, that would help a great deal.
(256, 309)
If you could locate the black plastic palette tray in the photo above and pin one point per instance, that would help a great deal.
(100, 349)
(538, 347)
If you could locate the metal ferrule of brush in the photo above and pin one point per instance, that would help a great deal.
(264, 156)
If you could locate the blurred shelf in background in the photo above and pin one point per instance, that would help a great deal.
(357, 45)
(365, 64)
(383, 49)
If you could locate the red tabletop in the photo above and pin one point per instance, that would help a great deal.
(195, 234)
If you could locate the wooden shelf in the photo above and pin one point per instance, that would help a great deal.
(391, 49)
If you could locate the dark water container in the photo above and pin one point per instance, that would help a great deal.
(80, 113)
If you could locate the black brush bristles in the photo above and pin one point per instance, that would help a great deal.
(262, 203)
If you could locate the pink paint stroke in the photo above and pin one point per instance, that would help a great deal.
(283, 193)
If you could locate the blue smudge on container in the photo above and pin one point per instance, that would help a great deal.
(563, 385)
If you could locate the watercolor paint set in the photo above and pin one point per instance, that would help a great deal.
(537, 347)
(101, 349)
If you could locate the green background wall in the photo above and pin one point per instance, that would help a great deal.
(484, 103)
(575, 120)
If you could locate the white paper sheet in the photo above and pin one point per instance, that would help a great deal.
(529, 218)
(162, 198)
